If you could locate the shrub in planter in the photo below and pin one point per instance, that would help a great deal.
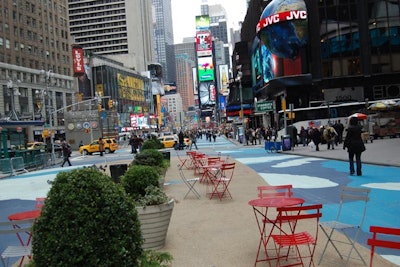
(137, 178)
(152, 143)
(153, 158)
(88, 220)
(149, 157)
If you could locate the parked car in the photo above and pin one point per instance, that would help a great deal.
(110, 145)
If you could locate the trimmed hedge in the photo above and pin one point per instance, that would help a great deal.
(137, 178)
(87, 220)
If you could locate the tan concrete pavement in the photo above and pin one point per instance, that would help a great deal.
(214, 233)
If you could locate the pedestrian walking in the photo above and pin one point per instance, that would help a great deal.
(66, 149)
(354, 144)
(101, 146)
(193, 140)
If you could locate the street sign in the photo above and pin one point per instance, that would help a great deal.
(264, 106)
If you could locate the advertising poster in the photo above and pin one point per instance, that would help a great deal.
(223, 80)
(205, 69)
(207, 94)
(202, 23)
(203, 44)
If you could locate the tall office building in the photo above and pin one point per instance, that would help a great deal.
(164, 39)
(121, 30)
(35, 65)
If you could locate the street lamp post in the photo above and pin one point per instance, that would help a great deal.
(47, 75)
(13, 88)
(239, 79)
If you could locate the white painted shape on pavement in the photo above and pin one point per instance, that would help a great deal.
(384, 186)
(298, 181)
(392, 258)
(295, 163)
(265, 159)
(25, 188)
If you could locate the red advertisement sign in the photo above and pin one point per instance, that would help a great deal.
(203, 43)
(77, 58)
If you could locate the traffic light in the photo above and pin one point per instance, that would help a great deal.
(99, 108)
(110, 103)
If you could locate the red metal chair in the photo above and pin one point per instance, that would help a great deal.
(383, 237)
(292, 222)
(275, 191)
(221, 182)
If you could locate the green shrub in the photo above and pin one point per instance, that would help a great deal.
(149, 157)
(137, 178)
(152, 143)
(88, 220)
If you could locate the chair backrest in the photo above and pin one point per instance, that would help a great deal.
(296, 213)
(383, 237)
(228, 169)
(350, 198)
(8, 227)
(266, 191)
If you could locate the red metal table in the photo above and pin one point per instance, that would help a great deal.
(24, 215)
(260, 208)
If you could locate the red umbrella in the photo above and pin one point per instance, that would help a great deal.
(359, 116)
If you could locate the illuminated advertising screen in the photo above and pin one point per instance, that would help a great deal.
(283, 28)
(207, 94)
(223, 80)
(202, 23)
(203, 44)
(205, 69)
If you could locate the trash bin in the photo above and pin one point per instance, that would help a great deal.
(166, 155)
(286, 142)
(117, 170)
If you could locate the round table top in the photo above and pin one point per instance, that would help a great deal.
(276, 202)
(30, 214)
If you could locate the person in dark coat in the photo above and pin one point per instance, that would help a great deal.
(66, 149)
(316, 137)
(354, 144)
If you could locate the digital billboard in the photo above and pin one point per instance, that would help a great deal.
(223, 80)
(202, 23)
(203, 43)
(207, 94)
(205, 68)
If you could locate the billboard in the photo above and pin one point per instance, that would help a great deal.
(202, 23)
(205, 68)
(77, 60)
(223, 80)
(207, 94)
(203, 43)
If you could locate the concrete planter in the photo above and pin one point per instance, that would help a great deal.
(154, 222)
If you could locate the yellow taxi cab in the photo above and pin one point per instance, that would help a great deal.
(35, 145)
(110, 145)
(168, 141)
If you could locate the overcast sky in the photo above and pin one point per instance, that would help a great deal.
(185, 11)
